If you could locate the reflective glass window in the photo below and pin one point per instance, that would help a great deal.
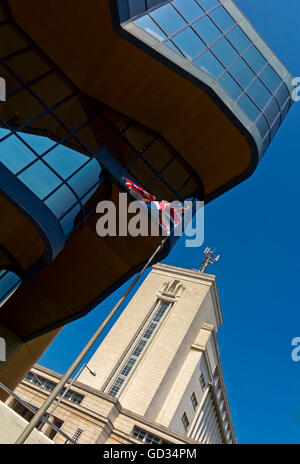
(40, 179)
(208, 63)
(231, 87)
(207, 30)
(146, 23)
(258, 92)
(238, 39)
(189, 43)
(275, 126)
(225, 52)
(254, 58)
(270, 78)
(285, 109)
(262, 125)
(189, 9)
(14, 154)
(271, 111)
(249, 107)
(168, 18)
(170, 44)
(9, 282)
(242, 73)
(222, 19)
(282, 94)
(208, 4)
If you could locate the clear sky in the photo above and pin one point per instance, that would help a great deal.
(255, 228)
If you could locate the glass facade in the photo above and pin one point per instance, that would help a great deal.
(51, 134)
(9, 282)
(159, 312)
(204, 33)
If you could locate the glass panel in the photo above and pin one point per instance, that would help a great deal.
(189, 43)
(275, 126)
(230, 86)
(208, 4)
(83, 180)
(162, 191)
(262, 125)
(139, 138)
(222, 19)
(225, 52)
(238, 39)
(146, 23)
(40, 179)
(9, 281)
(282, 94)
(207, 30)
(267, 141)
(10, 40)
(271, 110)
(170, 44)
(188, 8)
(285, 109)
(51, 89)
(61, 201)
(141, 172)
(158, 155)
(28, 65)
(14, 154)
(248, 106)
(67, 222)
(255, 59)
(175, 174)
(258, 92)
(270, 78)
(64, 160)
(209, 64)
(242, 73)
(168, 18)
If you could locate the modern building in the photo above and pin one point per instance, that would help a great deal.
(181, 96)
(158, 372)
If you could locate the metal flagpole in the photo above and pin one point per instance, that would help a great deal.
(36, 419)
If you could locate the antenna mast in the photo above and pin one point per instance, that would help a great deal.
(209, 258)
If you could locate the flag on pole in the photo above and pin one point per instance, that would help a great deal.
(168, 212)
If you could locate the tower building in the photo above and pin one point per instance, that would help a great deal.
(158, 371)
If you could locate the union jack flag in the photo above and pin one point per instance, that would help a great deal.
(168, 212)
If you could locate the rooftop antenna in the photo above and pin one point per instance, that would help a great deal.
(209, 258)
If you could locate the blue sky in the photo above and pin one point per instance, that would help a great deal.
(255, 228)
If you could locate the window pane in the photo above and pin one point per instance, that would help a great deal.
(207, 30)
(282, 94)
(208, 4)
(167, 17)
(242, 73)
(40, 179)
(275, 126)
(170, 44)
(262, 125)
(14, 154)
(225, 52)
(189, 43)
(222, 19)
(248, 106)
(61, 201)
(188, 8)
(230, 86)
(238, 39)
(209, 64)
(146, 23)
(254, 59)
(258, 92)
(270, 78)
(271, 111)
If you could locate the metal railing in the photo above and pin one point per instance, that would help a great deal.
(34, 411)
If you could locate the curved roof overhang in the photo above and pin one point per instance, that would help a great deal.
(110, 65)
